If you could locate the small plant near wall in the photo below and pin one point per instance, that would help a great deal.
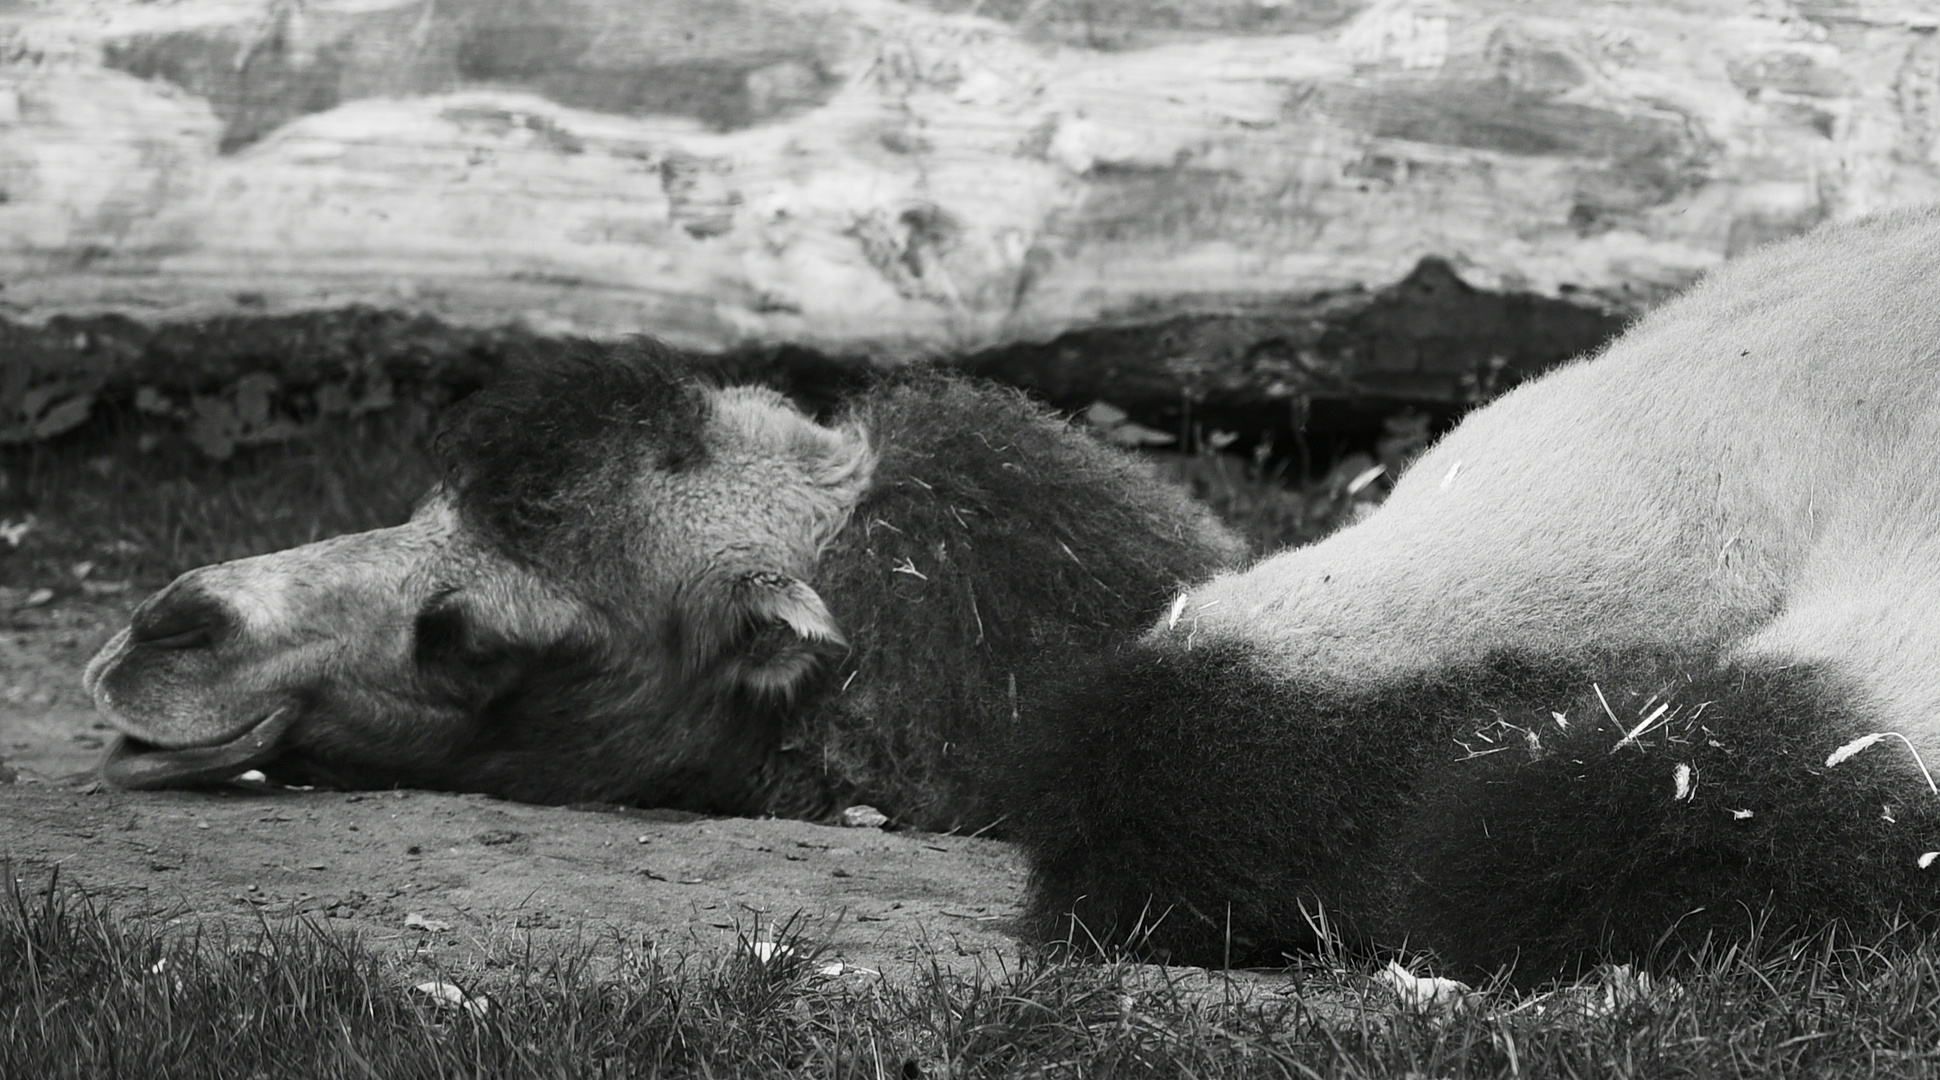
(257, 409)
(225, 384)
(38, 405)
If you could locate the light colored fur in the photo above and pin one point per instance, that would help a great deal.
(1751, 469)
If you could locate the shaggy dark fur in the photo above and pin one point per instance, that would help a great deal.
(532, 457)
(564, 723)
(994, 536)
(1570, 844)
(1183, 803)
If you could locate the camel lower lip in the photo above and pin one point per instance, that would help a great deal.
(140, 766)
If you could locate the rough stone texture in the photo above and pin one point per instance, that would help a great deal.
(945, 176)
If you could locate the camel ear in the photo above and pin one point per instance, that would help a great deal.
(777, 632)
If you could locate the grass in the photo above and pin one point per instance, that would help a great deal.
(133, 506)
(84, 993)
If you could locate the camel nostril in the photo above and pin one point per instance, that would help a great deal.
(180, 619)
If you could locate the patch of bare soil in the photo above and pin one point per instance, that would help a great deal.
(458, 880)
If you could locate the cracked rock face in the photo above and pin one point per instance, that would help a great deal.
(915, 179)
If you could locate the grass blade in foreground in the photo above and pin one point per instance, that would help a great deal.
(84, 993)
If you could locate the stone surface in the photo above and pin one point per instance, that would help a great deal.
(943, 177)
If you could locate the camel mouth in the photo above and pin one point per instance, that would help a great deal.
(135, 765)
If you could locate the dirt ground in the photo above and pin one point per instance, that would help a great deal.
(457, 879)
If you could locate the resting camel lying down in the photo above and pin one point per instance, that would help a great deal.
(1605, 674)
(636, 586)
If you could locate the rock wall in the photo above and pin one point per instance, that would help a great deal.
(868, 176)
